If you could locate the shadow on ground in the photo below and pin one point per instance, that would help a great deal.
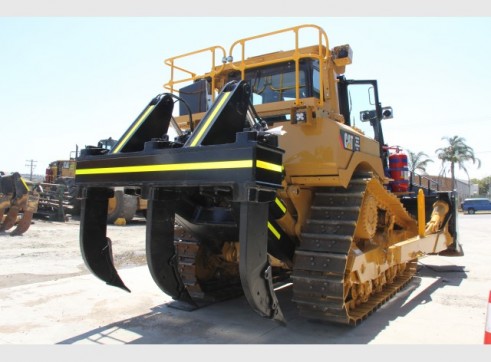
(234, 322)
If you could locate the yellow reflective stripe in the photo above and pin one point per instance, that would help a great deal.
(268, 166)
(280, 205)
(134, 128)
(209, 119)
(167, 167)
(274, 231)
(25, 185)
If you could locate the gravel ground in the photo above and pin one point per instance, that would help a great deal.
(47, 296)
(50, 250)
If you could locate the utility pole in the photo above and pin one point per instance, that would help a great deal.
(31, 165)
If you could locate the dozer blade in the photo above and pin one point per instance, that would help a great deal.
(95, 246)
(160, 250)
(255, 271)
(10, 219)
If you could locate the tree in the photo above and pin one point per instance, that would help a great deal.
(418, 161)
(457, 152)
(483, 185)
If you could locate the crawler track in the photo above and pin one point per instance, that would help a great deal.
(323, 287)
(341, 221)
(207, 277)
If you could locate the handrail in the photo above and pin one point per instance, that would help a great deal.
(242, 65)
(171, 62)
(420, 178)
(322, 48)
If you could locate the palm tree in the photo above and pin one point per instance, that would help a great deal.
(418, 161)
(457, 152)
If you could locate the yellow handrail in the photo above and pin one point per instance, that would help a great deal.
(171, 62)
(323, 47)
(242, 65)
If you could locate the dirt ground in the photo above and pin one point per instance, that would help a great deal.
(50, 250)
(48, 296)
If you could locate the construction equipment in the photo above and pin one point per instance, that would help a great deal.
(123, 206)
(18, 203)
(127, 201)
(59, 195)
(278, 173)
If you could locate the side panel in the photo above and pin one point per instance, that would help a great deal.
(330, 150)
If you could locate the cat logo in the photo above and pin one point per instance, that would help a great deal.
(350, 141)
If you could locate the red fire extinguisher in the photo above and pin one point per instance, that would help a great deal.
(399, 171)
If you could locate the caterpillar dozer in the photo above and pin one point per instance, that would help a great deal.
(273, 172)
(18, 203)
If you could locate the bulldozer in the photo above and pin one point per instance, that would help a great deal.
(123, 206)
(18, 202)
(273, 172)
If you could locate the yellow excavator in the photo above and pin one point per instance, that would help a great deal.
(272, 171)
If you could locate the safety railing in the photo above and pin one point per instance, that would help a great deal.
(189, 76)
(319, 51)
(417, 182)
(321, 54)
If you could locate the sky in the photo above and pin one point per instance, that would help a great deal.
(68, 81)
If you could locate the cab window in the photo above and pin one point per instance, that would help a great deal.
(274, 83)
(362, 108)
(277, 87)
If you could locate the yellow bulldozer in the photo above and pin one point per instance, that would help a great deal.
(18, 203)
(274, 171)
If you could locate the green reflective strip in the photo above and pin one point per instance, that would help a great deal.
(134, 128)
(167, 167)
(211, 117)
(268, 166)
(274, 231)
(280, 205)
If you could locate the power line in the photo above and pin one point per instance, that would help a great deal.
(32, 166)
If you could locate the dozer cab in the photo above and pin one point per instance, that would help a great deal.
(274, 171)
